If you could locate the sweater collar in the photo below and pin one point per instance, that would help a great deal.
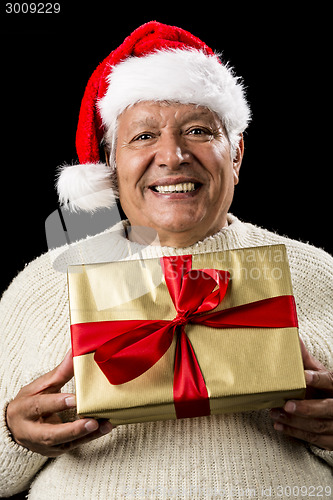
(112, 245)
(227, 238)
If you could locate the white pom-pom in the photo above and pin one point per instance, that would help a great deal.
(86, 187)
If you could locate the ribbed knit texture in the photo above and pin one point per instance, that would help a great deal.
(210, 457)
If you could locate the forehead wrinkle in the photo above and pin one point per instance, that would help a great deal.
(149, 121)
(192, 115)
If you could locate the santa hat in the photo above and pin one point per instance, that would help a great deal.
(156, 62)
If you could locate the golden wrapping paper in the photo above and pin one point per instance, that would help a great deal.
(243, 368)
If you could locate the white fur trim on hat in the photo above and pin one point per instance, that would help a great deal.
(86, 187)
(187, 76)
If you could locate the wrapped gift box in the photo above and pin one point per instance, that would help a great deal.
(185, 336)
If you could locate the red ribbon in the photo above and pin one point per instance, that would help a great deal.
(126, 349)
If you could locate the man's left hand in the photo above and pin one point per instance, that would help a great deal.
(310, 419)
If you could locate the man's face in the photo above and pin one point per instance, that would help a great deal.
(175, 171)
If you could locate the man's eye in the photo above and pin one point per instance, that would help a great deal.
(143, 137)
(199, 131)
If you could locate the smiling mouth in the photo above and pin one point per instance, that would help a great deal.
(183, 187)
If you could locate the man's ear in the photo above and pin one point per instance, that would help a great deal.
(107, 153)
(237, 160)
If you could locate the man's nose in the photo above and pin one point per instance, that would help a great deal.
(171, 152)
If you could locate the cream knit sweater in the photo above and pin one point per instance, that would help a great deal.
(225, 456)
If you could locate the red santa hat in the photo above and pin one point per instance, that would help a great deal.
(156, 62)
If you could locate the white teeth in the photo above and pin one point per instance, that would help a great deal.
(172, 188)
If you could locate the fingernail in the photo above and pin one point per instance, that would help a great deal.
(275, 414)
(308, 376)
(91, 425)
(278, 427)
(290, 407)
(105, 427)
(70, 401)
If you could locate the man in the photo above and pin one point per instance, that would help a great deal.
(171, 118)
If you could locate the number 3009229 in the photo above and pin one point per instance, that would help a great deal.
(32, 8)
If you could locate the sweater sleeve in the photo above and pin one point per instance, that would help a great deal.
(33, 317)
(312, 275)
(18, 464)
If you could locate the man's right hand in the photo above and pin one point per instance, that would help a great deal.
(33, 420)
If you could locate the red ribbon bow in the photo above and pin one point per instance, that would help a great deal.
(126, 349)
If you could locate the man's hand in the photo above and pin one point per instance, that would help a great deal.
(33, 420)
(310, 419)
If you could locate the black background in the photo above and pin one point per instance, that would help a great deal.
(282, 53)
